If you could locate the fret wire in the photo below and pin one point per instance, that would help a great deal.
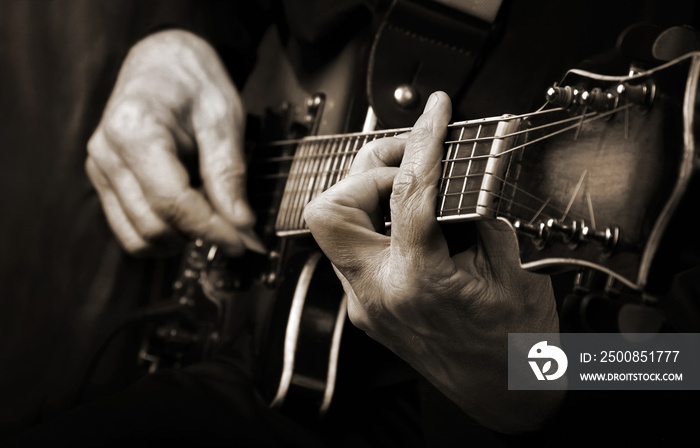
(350, 146)
(444, 172)
(297, 181)
(347, 158)
(301, 176)
(308, 185)
(310, 175)
(290, 185)
(334, 165)
(469, 166)
(318, 178)
(321, 184)
(343, 159)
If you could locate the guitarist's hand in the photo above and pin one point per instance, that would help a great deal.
(173, 99)
(449, 317)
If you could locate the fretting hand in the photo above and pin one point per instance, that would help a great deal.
(449, 317)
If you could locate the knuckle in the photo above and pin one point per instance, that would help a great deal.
(177, 210)
(420, 135)
(406, 183)
(227, 172)
(186, 213)
(218, 110)
(317, 211)
(370, 149)
(128, 118)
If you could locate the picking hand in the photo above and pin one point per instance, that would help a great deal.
(172, 99)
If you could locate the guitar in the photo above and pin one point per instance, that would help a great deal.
(591, 180)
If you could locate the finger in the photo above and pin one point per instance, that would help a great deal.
(413, 199)
(218, 122)
(127, 190)
(340, 220)
(219, 134)
(147, 149)
(379, 153)
(121, 225)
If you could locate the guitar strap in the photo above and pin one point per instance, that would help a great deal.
(421, 46)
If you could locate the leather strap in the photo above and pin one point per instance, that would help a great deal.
(422, 46)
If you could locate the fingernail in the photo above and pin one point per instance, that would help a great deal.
(432, 101)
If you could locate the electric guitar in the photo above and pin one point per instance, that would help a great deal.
(593, 179)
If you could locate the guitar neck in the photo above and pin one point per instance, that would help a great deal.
(471, 186)
(591, 179)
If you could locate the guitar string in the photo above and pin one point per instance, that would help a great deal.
(514, 187)
(329, 146)
(305, 173)
(321, 186)
(579, 118)
(594, 117)
(390, 133)
(382, 132)
(469, 165)
(511, 199)
(444, 212)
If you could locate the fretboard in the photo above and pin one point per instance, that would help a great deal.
(471, 186)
